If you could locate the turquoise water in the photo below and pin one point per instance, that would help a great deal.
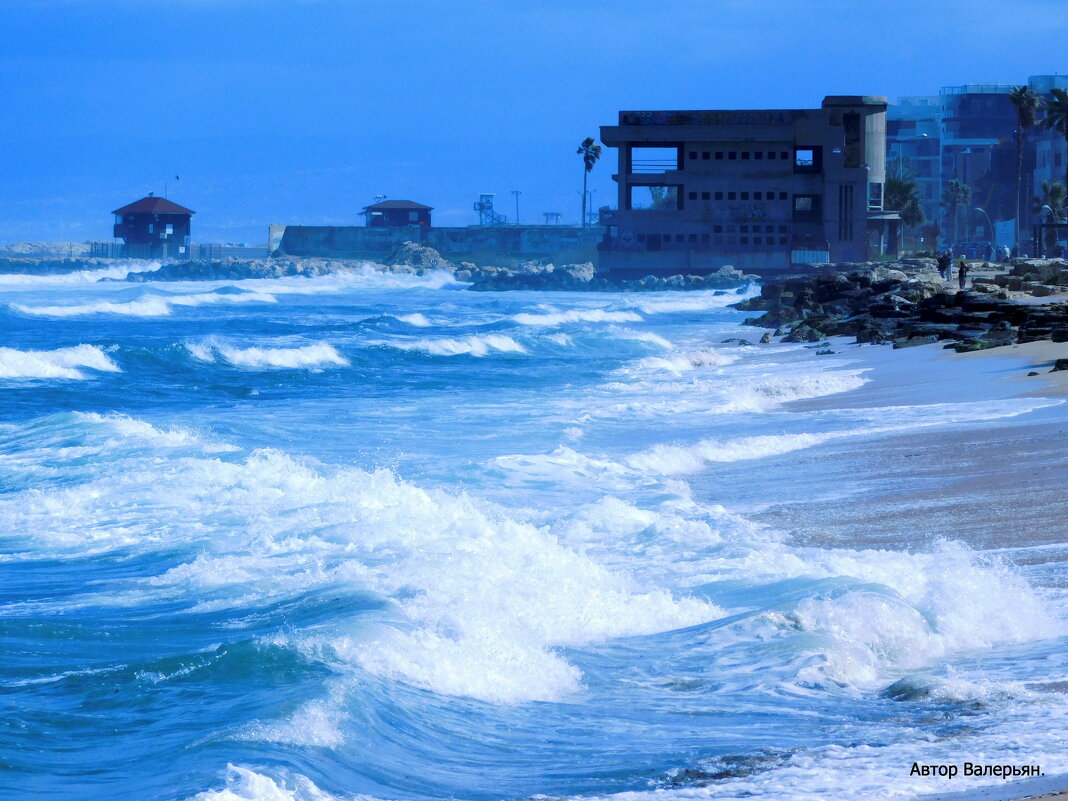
(371, 535)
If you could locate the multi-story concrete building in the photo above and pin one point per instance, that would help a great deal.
(913, 149)
(757, 189)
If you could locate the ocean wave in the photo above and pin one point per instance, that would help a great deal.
(577, 316)
(416, 319)
(145, 306)
(483, 599)
(679, 363)
(317, 355)
(687, 302)
(117, 272)
(60, 363)
(474, 345)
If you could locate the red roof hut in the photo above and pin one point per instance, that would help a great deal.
(153, 228)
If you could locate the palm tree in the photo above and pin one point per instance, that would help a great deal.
(1057, 117)
(590, 152)
(902, 194)
(1026, 103)
(957, 195)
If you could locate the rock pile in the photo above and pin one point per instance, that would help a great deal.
(882, 305)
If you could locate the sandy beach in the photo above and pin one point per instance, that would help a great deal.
(1039, 357)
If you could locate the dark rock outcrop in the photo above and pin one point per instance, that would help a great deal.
(880, 305)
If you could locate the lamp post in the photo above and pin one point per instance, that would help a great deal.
(517, 193)
(990, 225)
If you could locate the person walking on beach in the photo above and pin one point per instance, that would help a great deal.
(962, 273)
(944, 262)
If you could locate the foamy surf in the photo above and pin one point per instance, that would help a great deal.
(317, 355)
(146, 306)
(65, 363)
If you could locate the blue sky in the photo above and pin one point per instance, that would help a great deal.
(301, 111)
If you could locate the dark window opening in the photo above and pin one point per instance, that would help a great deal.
(744, 229)
(719, 155)
(732, 196)
(651, 160)
(745, 196)
(745, 240)
(745, 155)
(662, 197)
(704, 238)
(808, 159)
(717, 229)
(693, 237)
(758, 155)
(757, 195)
(732, 156)
(771, 154)
(757, 240)
(692, 154)
(706, 196)
(719, 196)
(705, 155)
(782, 240)
(693, 196)
(782, 196)
(784, 155)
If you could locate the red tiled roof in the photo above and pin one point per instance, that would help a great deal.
(396, 204)
(153, 205)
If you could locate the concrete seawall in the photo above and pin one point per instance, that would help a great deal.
(504, 246)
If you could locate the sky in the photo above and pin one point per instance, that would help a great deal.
(254, 112)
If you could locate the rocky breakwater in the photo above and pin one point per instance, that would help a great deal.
(902, 307)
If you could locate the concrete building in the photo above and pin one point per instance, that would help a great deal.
(913, 149)
(757, 189)
(153, 228)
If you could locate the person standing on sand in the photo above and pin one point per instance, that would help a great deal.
(962, 273)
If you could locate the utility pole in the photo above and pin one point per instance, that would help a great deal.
(517, 193)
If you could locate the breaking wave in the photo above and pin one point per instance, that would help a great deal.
(474, 345)
(320, 354)
(61, 363)
(145, 306)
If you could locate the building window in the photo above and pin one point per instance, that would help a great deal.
(732, 196)
(782, 229)
(705, 155)
(875, 197)
(808, 159)
(678, 237)
(652, 160)
(745, 155)
(743, 229)
(719, 155)
(782, 196)
(704, 239)
(782, 240)
(731, 155)
(757, 240)
(693, 237)
(745, 196)
(784, 155)
(659, 197)
(771, 154)
(717, 240)
(693, 154)
(732, 229)
(756, 195)
(717, 229)
(706, 196)
(641, 237)
(806, 207)
(719, 196)
(413, 216)
(151, 228)
(758, 155)
(732, 240)
(769, 229)
(745, 240)
(693, 196)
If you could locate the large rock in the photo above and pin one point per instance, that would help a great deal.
(412, 254)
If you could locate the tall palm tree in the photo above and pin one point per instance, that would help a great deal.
(1026, 103)
(957, 195)
(1057, 117)
(590, 152)
(901, 193)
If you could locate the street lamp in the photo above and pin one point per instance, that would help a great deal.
(989, 224)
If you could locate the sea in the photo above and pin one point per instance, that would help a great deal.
(378, 536)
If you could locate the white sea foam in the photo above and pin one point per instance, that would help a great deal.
(577, 316)
(474, 345)
(312, 356)
(686, 302)
(60, 363)
(244, 784)
(679, 363)
(416, 319)
(670, 460)
(145, 306)
(118, 272)
(484, 599)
